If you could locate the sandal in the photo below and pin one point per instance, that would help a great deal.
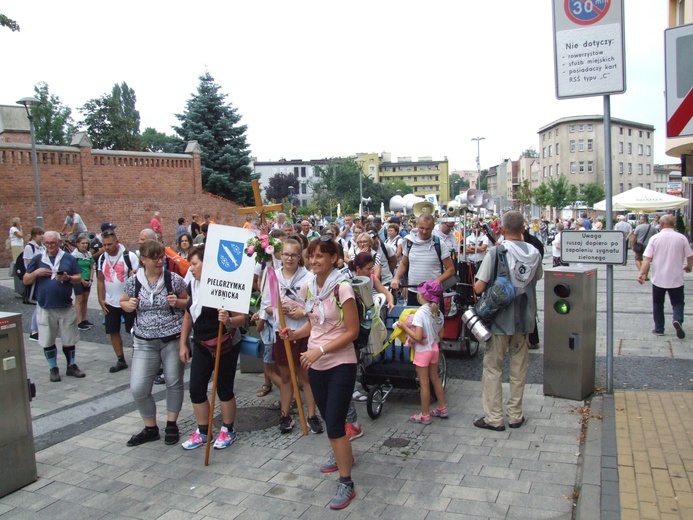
(266, 389)
(421, 418)
(440, 412)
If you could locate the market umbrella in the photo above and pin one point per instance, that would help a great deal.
(641, 199)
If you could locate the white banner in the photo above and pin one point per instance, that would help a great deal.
(227, 272)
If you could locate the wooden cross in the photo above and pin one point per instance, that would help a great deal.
(259, 209)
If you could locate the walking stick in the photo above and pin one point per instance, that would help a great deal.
(292, 369)
(214, 392)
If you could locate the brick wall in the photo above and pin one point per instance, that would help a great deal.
(125, 188)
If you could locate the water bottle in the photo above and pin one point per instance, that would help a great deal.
(368, 320)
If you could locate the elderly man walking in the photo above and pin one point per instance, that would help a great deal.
(54, 273)
(671, 255)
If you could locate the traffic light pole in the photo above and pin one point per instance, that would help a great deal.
(609, 267)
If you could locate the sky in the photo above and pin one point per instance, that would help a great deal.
(315, 79)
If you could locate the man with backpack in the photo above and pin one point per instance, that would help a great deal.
(510, 326)
(115, 266)
(425, 257)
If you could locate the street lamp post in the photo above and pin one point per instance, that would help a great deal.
(360, 162)
(478, 155)
(27, 102)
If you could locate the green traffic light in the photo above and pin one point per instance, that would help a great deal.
(561, 307)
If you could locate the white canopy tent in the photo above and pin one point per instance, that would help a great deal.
(644, 200)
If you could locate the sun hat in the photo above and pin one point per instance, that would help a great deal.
(431, 290)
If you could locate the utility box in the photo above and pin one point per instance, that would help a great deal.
(18, 460)
(570, 331)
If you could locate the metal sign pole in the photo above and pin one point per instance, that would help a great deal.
(609, 267)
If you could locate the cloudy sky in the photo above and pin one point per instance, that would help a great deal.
(317, 79)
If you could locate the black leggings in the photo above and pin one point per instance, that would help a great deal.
(202, 367)
(332, 389)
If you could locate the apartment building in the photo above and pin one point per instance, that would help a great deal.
(305, 171)
(574, 147)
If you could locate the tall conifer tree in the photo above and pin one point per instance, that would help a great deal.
(215, 125)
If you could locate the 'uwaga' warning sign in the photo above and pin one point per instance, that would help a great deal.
(593, 247)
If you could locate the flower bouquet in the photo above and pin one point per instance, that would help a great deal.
(263, 247)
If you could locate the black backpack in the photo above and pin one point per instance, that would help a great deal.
(126, 259)
(19, 267)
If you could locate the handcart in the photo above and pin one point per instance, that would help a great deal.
(390, 366)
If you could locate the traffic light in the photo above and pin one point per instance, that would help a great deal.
(562, 291)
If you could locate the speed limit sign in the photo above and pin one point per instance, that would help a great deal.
(586, 12)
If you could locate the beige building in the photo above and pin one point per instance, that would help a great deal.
(574, 147)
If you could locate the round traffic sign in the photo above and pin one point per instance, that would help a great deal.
(586, 12)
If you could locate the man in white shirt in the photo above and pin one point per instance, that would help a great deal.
(113, 270)
(445, 232)
(476, 244)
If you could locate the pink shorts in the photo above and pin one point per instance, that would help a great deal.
(426, 358)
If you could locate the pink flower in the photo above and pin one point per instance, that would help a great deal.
(251, 250)
(263, 237)
(264, 244)
(269, 250)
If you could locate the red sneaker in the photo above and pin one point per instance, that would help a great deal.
(353, 432)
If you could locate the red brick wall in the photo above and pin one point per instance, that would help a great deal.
(125, 188)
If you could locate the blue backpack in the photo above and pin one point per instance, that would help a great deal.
(501, 293)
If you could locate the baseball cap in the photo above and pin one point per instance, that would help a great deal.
(107, 225)
(395, 220)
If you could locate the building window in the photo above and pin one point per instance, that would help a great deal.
(630, 148)
(590, 166)
(303, 171)
(582, 166)
(590, 145)
(639, 169)
(647, 185)
(581, 145)
(543, 152)
(558, 148)
(639, 133)
(557, 131)
(296, 170)
(648, 135)
(572, 146)
(581, 128)
(543, 137)
(558, 169)
(582, 189)
(551, 171)
(620, 187)
(589, 127)
(543, 171)
(630, 186)
(639, 149)
(304, 188)
(620, 168)
(572, 166)
(630, 168)
(550, 151)
(572, 128)
(620, 130)
(630, 132)
(648, 169)
(620, 147)
(648, 150)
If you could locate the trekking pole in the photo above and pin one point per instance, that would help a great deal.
(292, 370)
(217, 355)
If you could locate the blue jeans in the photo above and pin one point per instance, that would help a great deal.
(676, 300)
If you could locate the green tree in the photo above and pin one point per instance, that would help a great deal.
(530, 152)
(215, 125)
(339, 180)
(111, 121)
(558, 189)
(278, 186)
(153, 141)
(456, 182)
(542, 196)
(53, 122)
(9, 23)
(592, 193)
(483, 180)
(524, 195)
(573, 196)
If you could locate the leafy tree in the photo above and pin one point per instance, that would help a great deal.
(153, 141)
(483, 180)
(592, 193)
(524, 194)
(558, 189)
(339, 179)
(456, 182)
(112, 122)
(278, 186)
(53, 122)
(215, 125)
(573, 195)
(530, 152)
(542, 195)
(9, 23)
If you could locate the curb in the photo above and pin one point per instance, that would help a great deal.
(589, 481)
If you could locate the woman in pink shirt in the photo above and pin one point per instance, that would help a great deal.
(332, 327)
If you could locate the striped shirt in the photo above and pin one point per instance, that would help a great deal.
(424, 263)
